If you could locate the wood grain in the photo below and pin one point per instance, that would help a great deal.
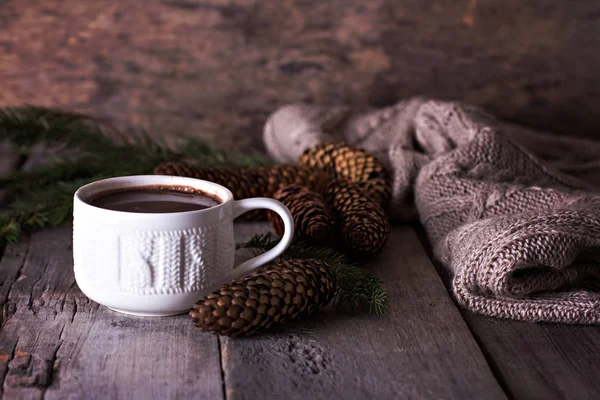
(57, 344)
(541, 361)
(217, 68)
(422, 349)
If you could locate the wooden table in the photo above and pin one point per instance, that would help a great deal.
(57, 344)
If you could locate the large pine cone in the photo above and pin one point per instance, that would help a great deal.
(275, 177)
(280, 292)
(360, 167)
(313, 221)
(242, 184)
(364, 225)
(262, 181)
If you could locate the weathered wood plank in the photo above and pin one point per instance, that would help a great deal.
(421, 349)
(57, 344)
(541, 361)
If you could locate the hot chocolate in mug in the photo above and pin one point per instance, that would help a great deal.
(161, 263)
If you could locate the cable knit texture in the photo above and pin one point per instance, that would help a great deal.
(514, 214)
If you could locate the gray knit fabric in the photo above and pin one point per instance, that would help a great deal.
(513, 214)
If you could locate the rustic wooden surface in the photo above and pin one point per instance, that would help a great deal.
(219, 67)
(55, 343)
(421, 349)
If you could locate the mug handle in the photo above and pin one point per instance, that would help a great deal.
(242, 206)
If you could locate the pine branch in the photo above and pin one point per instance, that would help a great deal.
(87, 150)
(28, 125)
(10, 229)
(39, 209)
(357, 288)
(20, 181)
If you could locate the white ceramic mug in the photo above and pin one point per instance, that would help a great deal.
(161, 263)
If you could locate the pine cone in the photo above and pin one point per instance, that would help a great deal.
(276, 177)
(312, 219)
(281, 292)
(363, 223)
(351, 162)
(244, 183)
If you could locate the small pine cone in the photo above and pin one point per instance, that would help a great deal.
(242, 184)
(176, 169)
(276, 177)
(364, 225)
(260, 181)
(280, 292)
(245, 183)
(312, 219)
(360, 167)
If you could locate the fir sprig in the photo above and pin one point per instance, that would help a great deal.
(29, 125)
(357, 288)
(85, 149)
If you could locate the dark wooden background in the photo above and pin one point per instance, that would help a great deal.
(217, 68)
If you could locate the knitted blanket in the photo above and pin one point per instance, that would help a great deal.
(514, 214)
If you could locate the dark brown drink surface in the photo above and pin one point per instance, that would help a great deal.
(153, 201)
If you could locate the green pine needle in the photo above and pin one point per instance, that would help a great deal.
(10, 229)
(357, 288)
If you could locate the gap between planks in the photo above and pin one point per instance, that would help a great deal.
(535, 360)
(541, 361)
